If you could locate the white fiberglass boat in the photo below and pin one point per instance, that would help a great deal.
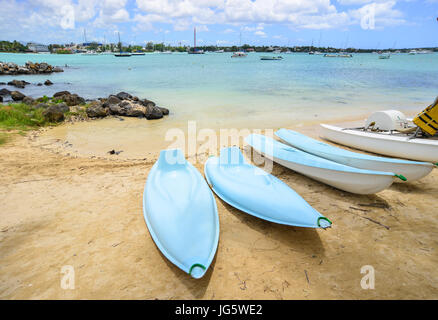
(390, 144)
(239, 54)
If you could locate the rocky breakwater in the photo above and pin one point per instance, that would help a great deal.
(124, 104)
(10, 68)
(65, 105)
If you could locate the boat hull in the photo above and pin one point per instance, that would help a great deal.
(252, 190)
(337, 175)
(412, 170)
(385, 144)
(181, 214)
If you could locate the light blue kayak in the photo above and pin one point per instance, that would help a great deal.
(258, 193)
(412, 170)
(181, 213)
(340, 176)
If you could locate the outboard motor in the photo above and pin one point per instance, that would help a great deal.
(388, 120)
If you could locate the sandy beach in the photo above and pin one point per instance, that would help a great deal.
(62, 206)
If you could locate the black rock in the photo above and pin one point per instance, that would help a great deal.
(17, 95)
(48, 83)
(18, 83)
(28, 100)
(165, 111)
(39, 84)
(123, 95)
(41, 105)
(96, 110)
(111, 101)
(153, 112)
(53, 114)
(61, 93)
(63, 107)
(4, 92)
(114, 152)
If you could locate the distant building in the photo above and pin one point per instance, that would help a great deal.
(36, 47)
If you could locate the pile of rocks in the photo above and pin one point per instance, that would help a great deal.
(124, 104)
(121, 104)
(10, 68)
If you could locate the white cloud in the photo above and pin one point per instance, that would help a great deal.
(260, 33)
(47, 17)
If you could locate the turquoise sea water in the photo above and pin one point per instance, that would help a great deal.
(220, 86)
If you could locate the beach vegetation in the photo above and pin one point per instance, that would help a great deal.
(44, 99)
(20, 116)
(14, 46)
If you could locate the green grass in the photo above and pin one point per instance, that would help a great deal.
(20, 116)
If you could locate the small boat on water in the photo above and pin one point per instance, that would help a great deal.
(413, 52)
(271, 58)
(137, 53)
(195, 51)
(121, 53)
(385, 55)
(337, 175)
(181, 214)
(338, 55)
(345, 55)
(412, 170)
(219, 51)
(90, 53)
(258, 193)
(239, 54)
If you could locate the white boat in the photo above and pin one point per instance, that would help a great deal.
(122, 54)
(219, 51)
(166, 52)
(137, 53)
(271, 58)
(90, 53)
(239, 54)
(384, 55)
(413, 52)
(394, 145)
(337, 175)
(412, 170)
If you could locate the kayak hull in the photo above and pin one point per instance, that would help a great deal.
(258, 193)
(385, 144)
(351, 182)
(181, 214)
(337, 175)
(412, 170)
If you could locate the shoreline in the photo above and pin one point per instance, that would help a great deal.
(93, 139)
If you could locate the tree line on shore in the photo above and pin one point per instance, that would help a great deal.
(17, 47)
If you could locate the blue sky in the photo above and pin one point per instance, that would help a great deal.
(338, 23)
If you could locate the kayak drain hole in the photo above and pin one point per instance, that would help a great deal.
(324, 222)
(197, 270)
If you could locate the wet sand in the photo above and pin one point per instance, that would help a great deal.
(59, 206)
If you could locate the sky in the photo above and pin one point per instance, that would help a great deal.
(377, 24)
